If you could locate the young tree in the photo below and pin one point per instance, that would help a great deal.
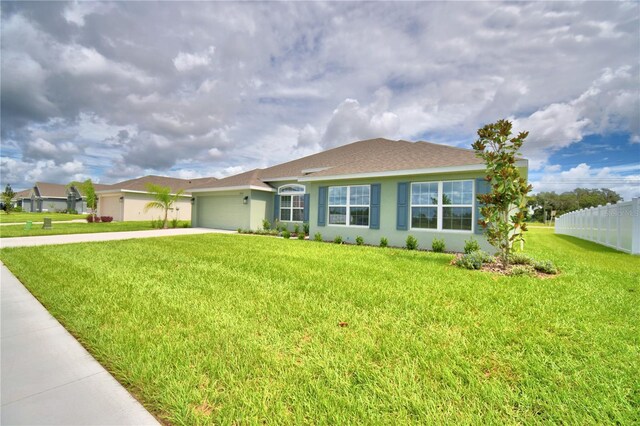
(88, 191)
(7, 196)
(163, 200)
(503, 207)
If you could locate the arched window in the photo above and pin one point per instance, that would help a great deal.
(292, 203)
(291, 189)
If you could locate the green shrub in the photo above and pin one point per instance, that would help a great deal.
(239, 230)
(317, 237)
(519, 258)
(359, 240)
(411, 243)
(486, 257)
(186, 224)
(545, 266)
(521, 271)
(266, 225)
(437, 245)
(18, 209)
(296, 229)
(338, 239)
(174, 223)
(286, 234)
(468, 261)
(471, 245)
(384, 242)
(301, 236)
(474, 260)
(305, 227)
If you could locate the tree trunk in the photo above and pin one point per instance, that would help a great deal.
(166, 213)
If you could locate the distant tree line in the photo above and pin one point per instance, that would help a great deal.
(579, 198)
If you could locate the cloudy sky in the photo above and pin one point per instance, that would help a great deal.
(118, 90)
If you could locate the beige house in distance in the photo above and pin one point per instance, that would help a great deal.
(126, 201)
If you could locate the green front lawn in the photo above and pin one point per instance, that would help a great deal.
(72, 228)
(235, 329)
(37, 217)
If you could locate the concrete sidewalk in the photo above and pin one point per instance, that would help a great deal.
(103, 236)
(41, 223)
(47, 377)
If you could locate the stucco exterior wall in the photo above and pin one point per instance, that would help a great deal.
(454, 240)
(261, 207)
(131, 207)
(110, 205)
(134, 208)
(51, 204)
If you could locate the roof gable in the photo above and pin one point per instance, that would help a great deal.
(51, 190)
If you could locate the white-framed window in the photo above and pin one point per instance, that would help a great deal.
(349, 205)
(424, 205)
(444, 205)
(457, 205)
(292, 203)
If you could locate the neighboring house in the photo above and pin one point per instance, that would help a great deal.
(21, 198)
(47, 197)
(78, 200)
(126, 201)
(373, 188)
(53, 197)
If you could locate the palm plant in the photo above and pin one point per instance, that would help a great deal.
(164, 200)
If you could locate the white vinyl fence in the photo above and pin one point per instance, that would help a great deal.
(613, 225)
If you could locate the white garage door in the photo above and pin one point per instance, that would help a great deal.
(222, 212)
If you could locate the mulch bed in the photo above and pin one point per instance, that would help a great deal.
(498, 267)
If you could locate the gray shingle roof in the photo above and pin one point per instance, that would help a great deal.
(252, 178)
(368, 156)
(176, 184)
(54, 190)
(372, 156)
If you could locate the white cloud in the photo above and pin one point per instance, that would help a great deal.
(608, 105)
(189, 61)
(351, 121)
(215, 153)
(81, 61)
(584, 176)
(287, 79)
(78, 10)
(229, 171)
(23, 174)
(308, 136)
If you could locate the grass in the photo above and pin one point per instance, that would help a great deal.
(243, 329)
(37, 217)
(8, 231)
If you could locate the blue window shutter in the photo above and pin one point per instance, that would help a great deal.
(402, 217)
(374, 221)
(482, 187)
(276, 207)
(322, 206)
(305, 212)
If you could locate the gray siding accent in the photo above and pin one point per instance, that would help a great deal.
(305, 213)
(402, 218)
(374, 221)
(482, 187)
(322, 205)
